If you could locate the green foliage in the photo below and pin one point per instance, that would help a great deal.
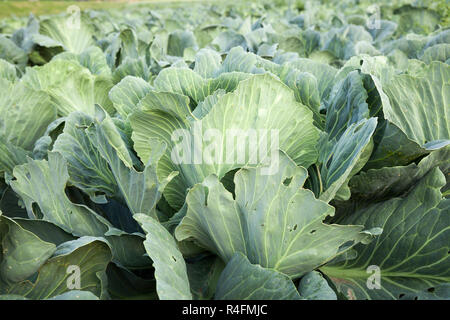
(115, 132)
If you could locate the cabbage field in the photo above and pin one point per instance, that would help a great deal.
(293, 150)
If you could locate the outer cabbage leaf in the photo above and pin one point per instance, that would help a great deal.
(72, 35)
(261, 102)
(170, 269)
(26, 113)
(413, 250)
(23, 252)
(273, 220)
(91, 255)
(344, 158)
(313, 286)
(70, 86)
(241, 280)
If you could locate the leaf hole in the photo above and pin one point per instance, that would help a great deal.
(287, 181)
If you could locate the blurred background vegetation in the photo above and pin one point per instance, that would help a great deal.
(22, 8)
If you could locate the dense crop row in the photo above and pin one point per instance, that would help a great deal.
(214, 151)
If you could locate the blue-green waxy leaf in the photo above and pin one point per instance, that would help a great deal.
(439, 292)
(10, 52)
(26, 113)
(203, 276)
(343, 158)
(313, 286)
(170, 269)
(8, 71)
(140, 190)
(324, 73)
(266, 150)
(70, 86)
(386, 29)
(259, 104)
(123, 284)
(179, 41)
(92, 58)
(241, 280)
(87, 168)
(182, 81)
(136, 67)
(127, 93)
(416, 20)
(23, 252)
(347, 106)
(10, 155)
(86, 258)
(169, 102)
(43, 182)
(419, 105)
(207, 61)
(438, 52)
(394, 181)
(415, 110)
(412, 253)
(72, 34)
(250, 224)
(227, 40)
(45, 230)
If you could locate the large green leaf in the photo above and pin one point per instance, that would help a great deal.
(87, 168)
(10, 52)
(179, 41)
(412, 253)
(203, 276)
(273, 220)
(207, 61)
(343, 158)
(75, 295)
(140, 190)
(71, 33)
(313, 286)
(347, 105)
(241, 280)
(22, 251)
(169, 102)
(70, 86)
(43, 182)
(324, 73)
(10, 155)
(183, 81)
(127, 93)
(91, 255)
(394, 181)
(26, 113)
(439, 52)
(416, 104)
(92, 58)
(170, 269)
(419, 105)
(8, 71)
(259, 104)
